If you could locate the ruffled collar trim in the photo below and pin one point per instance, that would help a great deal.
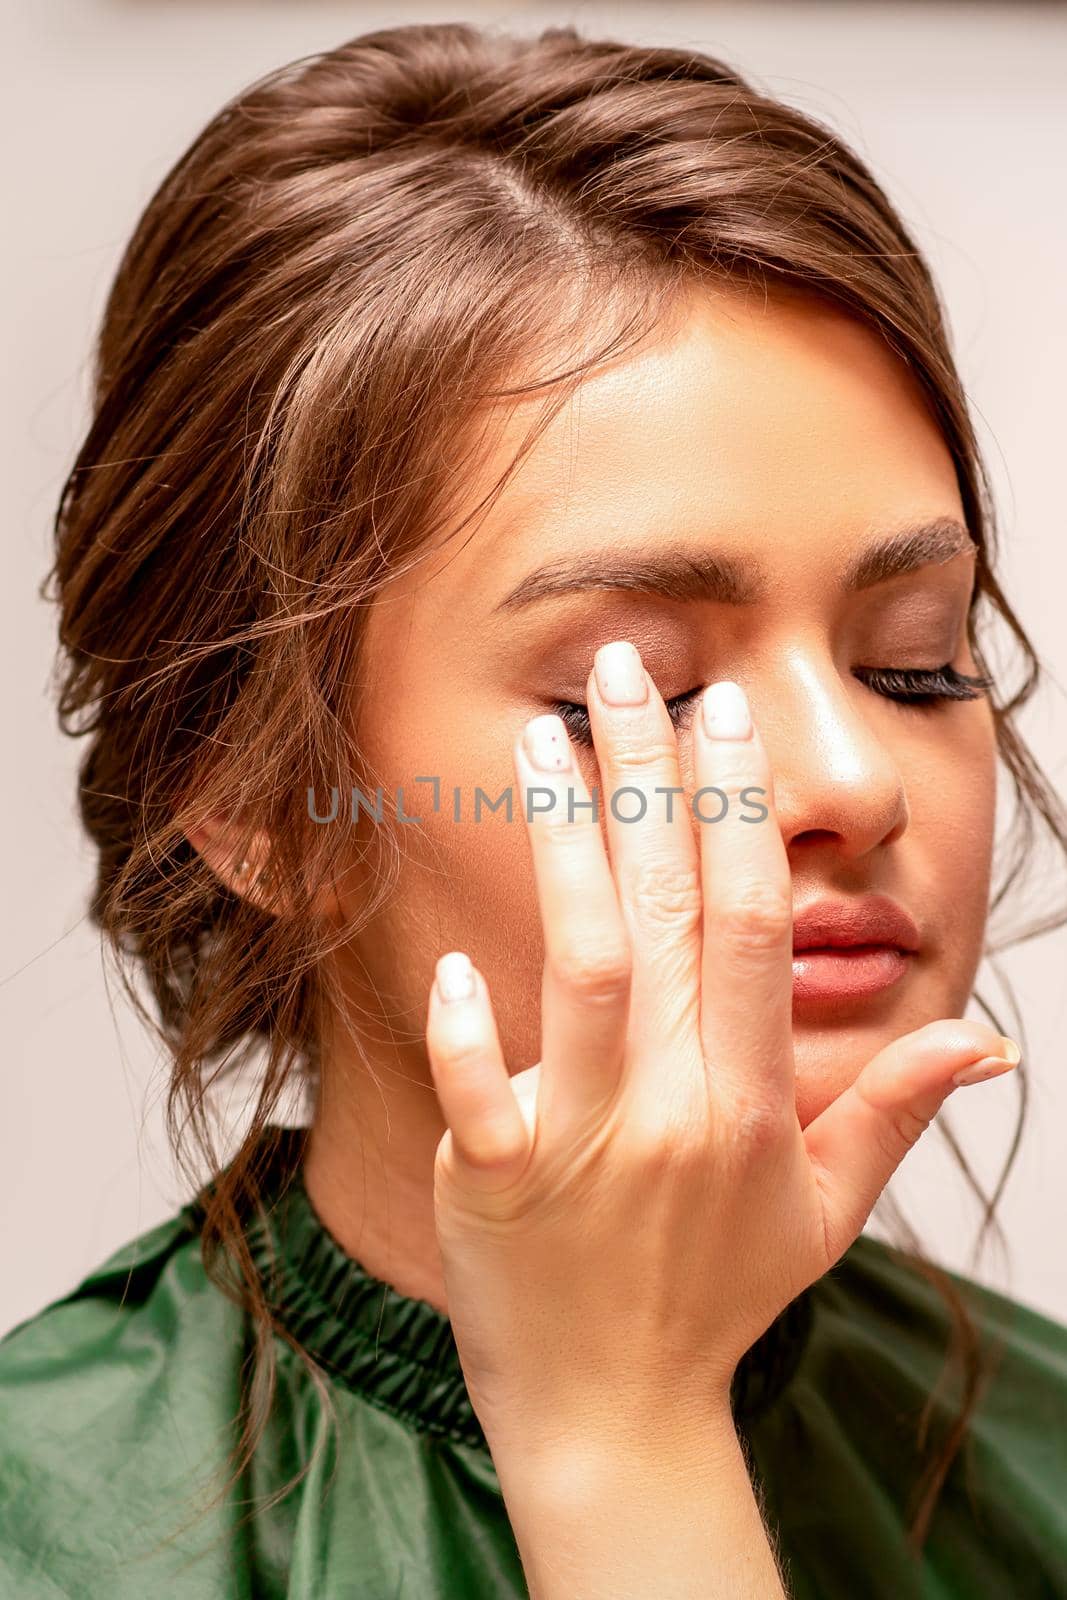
(398, 1352)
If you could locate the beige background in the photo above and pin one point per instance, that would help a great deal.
(960, 109)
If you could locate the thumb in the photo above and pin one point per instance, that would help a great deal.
(861, 1138)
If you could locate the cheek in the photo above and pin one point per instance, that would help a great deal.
(953, 814)
(460, 882)
(498, 919)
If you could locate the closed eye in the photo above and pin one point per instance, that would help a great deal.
(576, 717)
(923, 686)
(912, 686)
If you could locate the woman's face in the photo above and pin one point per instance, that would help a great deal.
(784, 438)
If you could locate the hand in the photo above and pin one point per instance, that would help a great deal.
(620, 1222)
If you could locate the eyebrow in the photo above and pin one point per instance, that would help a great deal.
(682, 574)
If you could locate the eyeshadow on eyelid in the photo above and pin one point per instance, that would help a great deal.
(902, 629)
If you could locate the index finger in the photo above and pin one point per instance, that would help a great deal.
(746, 1004)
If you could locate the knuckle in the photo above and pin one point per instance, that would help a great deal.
(593, 972)
(462, 1048)
(667, 893)
(660, 1143)
(648, 755)
(493, 1151)
(758, 918)
(560, 824)
(901, 1131)
(756, 1125)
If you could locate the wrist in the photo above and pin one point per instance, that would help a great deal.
(665, 1450)
(614, 1517)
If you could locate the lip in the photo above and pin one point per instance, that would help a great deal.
(850, 949)
(839, 924)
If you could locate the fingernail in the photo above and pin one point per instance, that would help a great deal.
(545, 741)
(1011, 1049)
(725, 710)
(989, 1067)
(455, 977)
(620, 677)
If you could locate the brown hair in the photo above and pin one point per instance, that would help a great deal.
(316, 301)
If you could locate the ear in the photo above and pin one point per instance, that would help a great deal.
(243, 865)
(237, 861)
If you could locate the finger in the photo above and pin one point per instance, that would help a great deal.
(586, 982)
(746, 980)
(650, 840)
(483, 1116)
(861, 1138)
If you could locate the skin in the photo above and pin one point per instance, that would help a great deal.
(778, 430)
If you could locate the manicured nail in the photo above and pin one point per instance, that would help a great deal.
(620, 677)
(545, 741)
(725, 710)
(455, 977)
(989, 1067)
(1011, 1049)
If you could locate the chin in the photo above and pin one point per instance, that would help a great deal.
(819, 1082)
(812, 1099)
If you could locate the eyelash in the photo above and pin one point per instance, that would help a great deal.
(910, 686)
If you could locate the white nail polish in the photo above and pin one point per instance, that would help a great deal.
(455, 977)
(725, 711)
(989, 1067)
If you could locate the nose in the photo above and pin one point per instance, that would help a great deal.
(837, 783)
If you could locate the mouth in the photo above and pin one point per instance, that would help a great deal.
(851, 949)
